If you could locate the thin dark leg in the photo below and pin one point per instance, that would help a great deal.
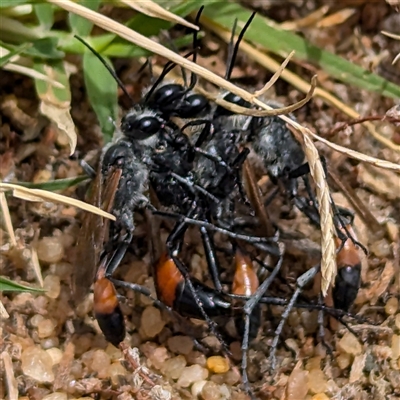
(89, 171)
(211, 257)
(302, 281)
(173, 249)
(248, 309)
(262, 243)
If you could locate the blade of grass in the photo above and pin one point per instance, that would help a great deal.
(154, 10)
(8, 56)
(56, 185)
(148, 26)
(282, 43)
(45, 15)
(102, 91)
(7, 285)
(81, 26)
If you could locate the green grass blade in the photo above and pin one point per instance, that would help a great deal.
(102, 91)
(149, 26)
(7, 285)
(45, 15)
(17, 50)
(283, 42)
(12, 3)
(46, 48)
(81, 26)
(56, 185)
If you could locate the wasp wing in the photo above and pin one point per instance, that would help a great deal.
(92, 234)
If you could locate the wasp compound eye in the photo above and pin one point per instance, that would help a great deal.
(231, 98)
(140, 129)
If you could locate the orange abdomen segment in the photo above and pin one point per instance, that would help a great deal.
(349, 254)
(168, 278)
(105, 296)
(245, 280)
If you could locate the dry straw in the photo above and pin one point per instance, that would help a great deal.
(43, 195)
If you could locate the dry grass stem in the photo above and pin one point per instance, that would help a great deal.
(34, 262)
(20, 69)
(154, 10)
(300, 84)
(3, 311)
(275, 77)
(7, 219)
(11, 382)
(355, 154)
(309, 20)
(328, 248)
(266, 112)
(40, 195)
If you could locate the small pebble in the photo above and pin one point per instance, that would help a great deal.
(211, 391)
(100, 361)
(197, 387)
(320, 396)
(151, 322)
(173, 367)
(382, 353)
(36, 319)
(236, 350)
(313, 363)
(52, 286)
(50, 250)
(218, 364)
(316, 381)
(55, 354)
(231, 378)
(196, 357)
(114, 353)
(391, 306)
(343, 360)
(158, 357)
(62, 270)
(380, 248)
(114, 371)
(397, 321)
(357, 368)
(349, 344)
(395, 347)
(297, 386)
(46, 328)
(192, 374)
(180, 344)
(49, 343)
(37, 364)
(56, 396)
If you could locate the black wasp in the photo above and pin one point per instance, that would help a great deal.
(124, 172)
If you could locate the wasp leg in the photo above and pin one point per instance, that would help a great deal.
(301, 282)
(248, 310)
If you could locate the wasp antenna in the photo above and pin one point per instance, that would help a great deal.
(233, 51)
(193, 77)
(169, 66)
(109, 69)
